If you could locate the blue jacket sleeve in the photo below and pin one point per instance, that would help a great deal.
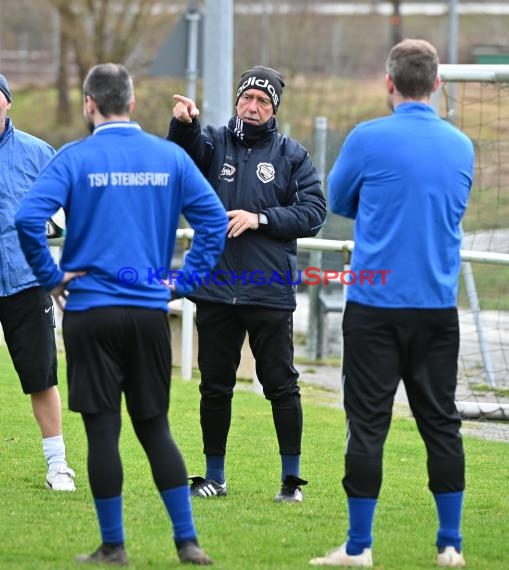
(345, 178)
(38, 205)
(206, 215)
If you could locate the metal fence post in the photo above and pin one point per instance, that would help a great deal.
(186, 356)
(186, 350)
(315, 325)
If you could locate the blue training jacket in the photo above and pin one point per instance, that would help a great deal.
(22, 157)
(122, 191)
(405, 179)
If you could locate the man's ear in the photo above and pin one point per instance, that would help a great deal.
(132, 104)
(389, 83)
(436, 85)
(89, 104)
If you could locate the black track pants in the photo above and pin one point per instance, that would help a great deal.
(381, 347)
(221, 332)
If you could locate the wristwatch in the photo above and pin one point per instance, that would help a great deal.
(262, 219)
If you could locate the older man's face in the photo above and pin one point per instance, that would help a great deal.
(254, 107)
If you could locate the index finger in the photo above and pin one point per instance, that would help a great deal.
(182, 99)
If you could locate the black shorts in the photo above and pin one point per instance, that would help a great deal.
(111, 350)
(28, 322)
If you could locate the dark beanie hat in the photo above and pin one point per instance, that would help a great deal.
(265, 79)
(4, 88)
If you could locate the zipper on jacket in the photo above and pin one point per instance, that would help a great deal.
(246, 158)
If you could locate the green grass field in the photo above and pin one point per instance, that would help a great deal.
(245, 530)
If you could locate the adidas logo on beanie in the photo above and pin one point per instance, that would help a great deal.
(265, 79)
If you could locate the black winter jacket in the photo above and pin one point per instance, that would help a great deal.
(274, 176)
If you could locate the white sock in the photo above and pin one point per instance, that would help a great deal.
(54, 451)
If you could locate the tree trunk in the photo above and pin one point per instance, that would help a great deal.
(396, 28)
(64, 111)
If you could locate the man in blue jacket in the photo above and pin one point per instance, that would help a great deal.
(122, 191)
(405, 179)
(272, 194)
(26, 310)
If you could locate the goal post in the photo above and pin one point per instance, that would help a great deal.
(476, 99)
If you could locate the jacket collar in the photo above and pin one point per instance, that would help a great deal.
(252, 134)
(9, 127)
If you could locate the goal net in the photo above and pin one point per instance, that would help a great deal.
(476, 99)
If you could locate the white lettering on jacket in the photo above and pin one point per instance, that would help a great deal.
(101, 179)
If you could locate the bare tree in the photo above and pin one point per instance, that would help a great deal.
(95, 31)
(109, 30)
(64, 112)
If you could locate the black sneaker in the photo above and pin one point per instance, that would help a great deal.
(190, 553)
(290, 491)
(201, 487)
(105, 555)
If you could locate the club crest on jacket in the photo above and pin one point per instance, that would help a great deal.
(265, 172)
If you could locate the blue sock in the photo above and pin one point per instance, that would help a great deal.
(449, 507)
(109, 513)
(178, 504)
(215, 468)
(290, 465)
(361, 513)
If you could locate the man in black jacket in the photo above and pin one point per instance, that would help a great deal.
(272, 194)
